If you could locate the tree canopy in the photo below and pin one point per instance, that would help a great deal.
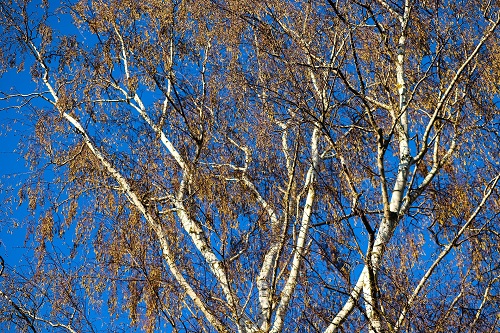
(253, 166)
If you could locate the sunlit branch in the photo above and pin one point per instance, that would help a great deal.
(486, 294)
(27, 99)
(437, 164)
(349, 305)
(388, 224)
(156, 227)
(10, 96)
(26, 315)
(140, 108)
(287, 198)
(197, 234)
(134, 199)
(264, 286)
(391, 10)
(442, 101)
(123, 55)
(55, 325)
(291, 282)
(446, 250)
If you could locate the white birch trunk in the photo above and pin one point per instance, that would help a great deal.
(388, 225)
(349, 305)
(191, 226)
(133, 198)
(279, 229)
(291, 282)
(167, 255)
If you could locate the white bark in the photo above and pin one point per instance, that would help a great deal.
(394, 206)
(389, 222)
(263, 283)
(486, 294)
(167, 254)
(291, 282)
(31, 317)
(132, 197)
(190, 225)
(445, 252)
(279, 229)
(349, 305)
(195, 231)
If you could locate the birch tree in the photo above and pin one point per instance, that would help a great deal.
(241, 166)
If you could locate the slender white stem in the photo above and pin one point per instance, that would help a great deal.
(134, 199)
(349, 305)
(445, 252)
(291, 282)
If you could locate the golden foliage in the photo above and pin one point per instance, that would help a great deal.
(209, 107)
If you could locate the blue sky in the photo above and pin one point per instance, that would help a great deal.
(13, 172)
(15, 127)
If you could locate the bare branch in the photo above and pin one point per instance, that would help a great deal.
(446, 250)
